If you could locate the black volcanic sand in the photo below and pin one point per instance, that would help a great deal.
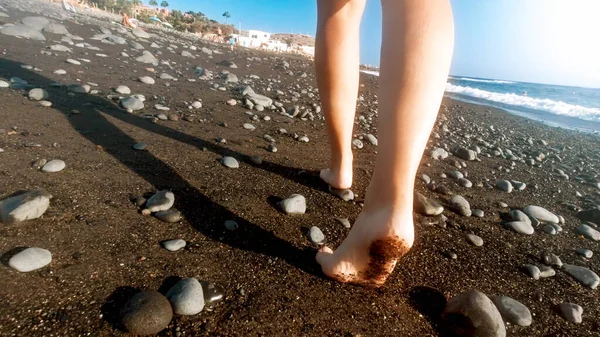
(104, 249)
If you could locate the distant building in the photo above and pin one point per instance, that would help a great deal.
(259, 37)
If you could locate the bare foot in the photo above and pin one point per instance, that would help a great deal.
(373, 247)
(339, 176)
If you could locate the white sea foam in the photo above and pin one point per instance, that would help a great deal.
(483, 81)
(370, 72)
(547, 105)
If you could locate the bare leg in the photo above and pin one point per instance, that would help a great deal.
(337, 65)
(415, 60)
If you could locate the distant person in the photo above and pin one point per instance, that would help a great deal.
(127, 21)
(417, 43)
(231, 42)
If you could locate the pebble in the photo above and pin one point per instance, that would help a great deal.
(550, 259)
(460, 205)
(512, 311)
(140, 146)
(231, 225)
(173, 245)
(455, 175)
(504, 185)
(439, 154)
(230, 162)
(372, 139)
(249, 126)
(55, 165)
(571, 312)
(161, 201)
(588, 232)
(271, 148)
(465, 154)
(294, 204)
(132, 103)
(122, 89)
(592, 215)
(519, 186)
(517, 215)
(45, 104)
(146, 313)
(60, 72)
(75, 62)
(425, 178)
(303, 139)
(477, 213)
(548, 229)
(39, 163)
(533, 271)
(30, 259)
(502, 204)
(37, 94)
(344, 222)
(186, 297)
(583, 275)
(475, 240)
(426, 206)
(316, 236)
(346, 195)
(28, 205)
(231, 102)
(169, 216)
(357, 143)
(475, 313)
(465, 183)
(546, 271)
(541, 214)
(585, 253)
(79, 88)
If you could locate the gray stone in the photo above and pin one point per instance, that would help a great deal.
(132, 103)
(571, 312)
(28, 205)
(477, 213)
(227, 63)
(465, 154)
(316, 236)
(146, 80)
(39, 163)
(165, 76)
(146, 57)
(123, 89)
(37, 94)
(425, 206)
(512, 311)
(35, 22)
(357, 143)
(56, 28)
(230, 162)
(23, 31)
(549, 229)
(135, 45)
(344, 194)
(249, 126)
(460, 205)
(550, 259)
(583, 275)
(186, 53)
(372, 139)
(75, 62)
(517, 215)
(425, 178)
(439, 154)
(520, 227)
(58, 47)
(504, 185)
(30, 259)
(169, 216)
(465, 183)
(541, 214)
(455, 175)
(588, 232)
(116, 39)
(474, 240)
(533, 271)
(344, 222)
(259, 99)
(231, 225)
(546, 271)
(4, 84)
(294, 204)
(591, 215)
(519, 186)
(585, 253)
(55, 165)
(174, 245)
(146, 313)
(473, 314)
(186, 297)
(79, 88)
(229, 78)
(161, 201)
(140, 146)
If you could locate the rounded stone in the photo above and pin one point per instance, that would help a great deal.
(475, 313)
(477, 213)
(231, 225)
(249, 126)
(230, 162)
(541, 214)
(520, 227)
(173, 245)
(140, 146)
(504, 185)
(585, 253)
(316, 236)
(295, 204)
(54, 165)
(161, 201)
(169, 216)
(122, 89)
(475, 240)
(187, 297)
(512, 311)
(146, 313)
(571, 312)
(37, 94)
(30, 259)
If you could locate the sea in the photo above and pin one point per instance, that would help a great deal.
(567, 107)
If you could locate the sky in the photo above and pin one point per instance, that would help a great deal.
(541, 41)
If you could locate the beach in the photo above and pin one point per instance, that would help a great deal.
(104, 250)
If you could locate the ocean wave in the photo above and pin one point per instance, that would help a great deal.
(547, 105)
(483, 81)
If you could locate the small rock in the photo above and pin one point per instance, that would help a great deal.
(249, 126)
(588, 232)
(541, 214)
(460, 205)
(548, 229)
(146, 313)
(39, 163)
(512, 311)
(37, 94)
(475, 240)
(230, 162)
(316, 236)
(231, 102)
(346, 194)
(517, 215)
(231, 225)
(473, 314)
(187, 297)
(123, 89)
(585, 253)
(55, 165)
(30, 259)
(571, 312)
(344, 222)
(169, 216)
(28, 205)
(439, 154)
(372, 139)
(477, 213)
(140, 146)
(532, 271)
(132, 103)
(161, 201)
(583, 275)
(546, 271)
(504, 185)
(295, 204)
(550, 259)
(146, 80)
(425, 206)
(173, 245)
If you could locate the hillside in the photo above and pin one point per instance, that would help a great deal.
(299, 39)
